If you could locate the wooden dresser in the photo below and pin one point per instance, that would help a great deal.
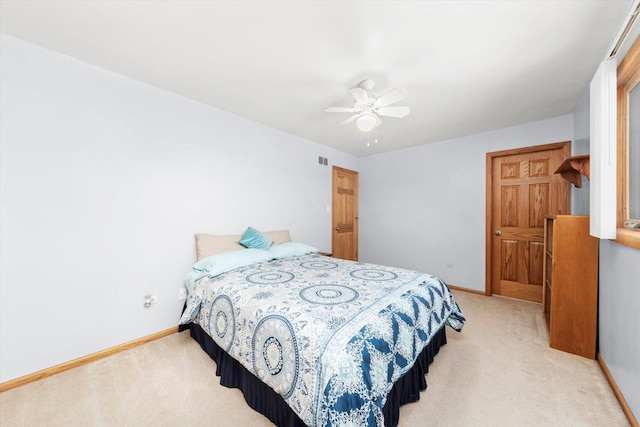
(570, 291)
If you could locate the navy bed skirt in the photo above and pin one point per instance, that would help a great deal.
(263, 399)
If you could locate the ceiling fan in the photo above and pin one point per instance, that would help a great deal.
(369, 106)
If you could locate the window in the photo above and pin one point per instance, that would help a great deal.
(629, 146)
(633, 155)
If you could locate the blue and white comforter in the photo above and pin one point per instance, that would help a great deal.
(331, 336)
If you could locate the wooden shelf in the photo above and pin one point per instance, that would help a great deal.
(570, 275)
(573, 167)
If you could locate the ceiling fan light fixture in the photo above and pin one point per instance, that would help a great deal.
(368, 106)
(366, 122)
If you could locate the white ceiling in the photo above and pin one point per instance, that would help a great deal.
(468, 66)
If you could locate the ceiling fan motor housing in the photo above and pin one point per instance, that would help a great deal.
(368, 106)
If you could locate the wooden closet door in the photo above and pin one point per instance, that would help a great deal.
(524, 189)
(345, 214)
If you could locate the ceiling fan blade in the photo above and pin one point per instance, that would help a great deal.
(360, 95)
(394, 95)
(393, 111)
(349, 120)
(340, 110)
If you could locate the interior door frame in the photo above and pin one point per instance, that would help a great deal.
(334, 171)
(565, 146)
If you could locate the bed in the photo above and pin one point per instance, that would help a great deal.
(313, 340)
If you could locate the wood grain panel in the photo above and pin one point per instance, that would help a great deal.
(345, 227)
(510, 170)
(538, 204)
(524, 174)
(510, 260)
(344, 231)
(523, 262)
(536, 258)
(518, 233)
(521, 190)
(510, 205)
(538, 167)
(572, 272)
(518, 290)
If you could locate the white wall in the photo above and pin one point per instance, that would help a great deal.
(424, 207)
(580, 196)
(618, 290)
(619, 318)
(104, 182)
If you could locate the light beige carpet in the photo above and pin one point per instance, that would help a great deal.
(498, 372)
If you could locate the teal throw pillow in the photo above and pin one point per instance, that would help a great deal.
(253, 238)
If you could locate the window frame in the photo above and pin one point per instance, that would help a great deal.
(628, 76)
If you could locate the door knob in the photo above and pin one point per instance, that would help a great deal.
(498, 233)
(337, 228)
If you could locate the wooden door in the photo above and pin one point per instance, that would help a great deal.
(345, 214)
(522, 189)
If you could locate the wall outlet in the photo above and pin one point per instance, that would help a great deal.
(182, 294)
(150, 300)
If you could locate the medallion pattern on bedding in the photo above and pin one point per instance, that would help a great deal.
(331, 336)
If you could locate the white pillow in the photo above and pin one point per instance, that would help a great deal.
(290, 249)
(227, 261)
